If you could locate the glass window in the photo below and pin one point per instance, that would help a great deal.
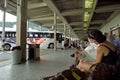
(48, 35)
(13, 35)
(41, 35)
(36, 35)
(10, 35)
(30, 35)
(45, 35)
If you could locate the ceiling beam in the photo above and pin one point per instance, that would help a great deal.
(95, 27)
(76, 23)
(38, 14)
(42, 15)
(43, 9)
(72, 12)
(83, 14)
(52, 6)
(61, 28)
(36, 5)
(99, 9)
(12, 8)
(43, 19)
(107, 8)
(12, 3)
(77, 28)
(97, 22)
(51, 24)
(113, 15)
(92, 12)
(54, 9)
(79, 32)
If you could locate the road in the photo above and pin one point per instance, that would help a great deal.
(5, 58)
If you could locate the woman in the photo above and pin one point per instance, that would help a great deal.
(78, 51)
(103, 68)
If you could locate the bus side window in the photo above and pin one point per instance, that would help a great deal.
(35, 35)
(48, 35)
(45, 35)
(30, 35)
(15, 34)
(52, 35)
(12, 35)
(27, 35)
(6, 34)
(41, 35)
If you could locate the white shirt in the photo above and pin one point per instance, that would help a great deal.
(88, 54)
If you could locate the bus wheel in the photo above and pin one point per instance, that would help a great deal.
(7, 47)
(51, 46)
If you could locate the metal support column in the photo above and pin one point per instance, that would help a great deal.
(55, 29)
(69, 37)
(3, 29)
(64, 31)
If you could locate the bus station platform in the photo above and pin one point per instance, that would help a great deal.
(50, 63)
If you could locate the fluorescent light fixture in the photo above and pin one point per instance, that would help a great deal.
(85, 24)
(86, 16)
(85, 29)
(88, 3)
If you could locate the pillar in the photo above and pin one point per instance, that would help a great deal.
(64, 31)
(21, 28)
(55, 30)
(3, 28)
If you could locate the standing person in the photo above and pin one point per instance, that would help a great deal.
(104, 67)
(110, 37)
(116, 42)
(85, 43)
(66, 43)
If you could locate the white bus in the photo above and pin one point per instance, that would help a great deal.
(44, 38)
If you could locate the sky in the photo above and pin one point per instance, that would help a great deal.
(9, 17)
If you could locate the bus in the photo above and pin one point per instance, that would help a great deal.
(44, 38)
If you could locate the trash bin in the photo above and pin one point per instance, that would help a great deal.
(33, 52)
(37, 52)
(16, 55)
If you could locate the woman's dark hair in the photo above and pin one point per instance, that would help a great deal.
(97, 35)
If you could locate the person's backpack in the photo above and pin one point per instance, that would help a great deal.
(69, 74)
(103, 71)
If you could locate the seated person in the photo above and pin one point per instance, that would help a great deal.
(78, 50)
(81, 47)
(104, 66)
(116, 42)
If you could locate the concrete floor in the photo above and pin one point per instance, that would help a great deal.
(50, 63)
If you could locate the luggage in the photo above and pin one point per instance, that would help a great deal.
(69, 74)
